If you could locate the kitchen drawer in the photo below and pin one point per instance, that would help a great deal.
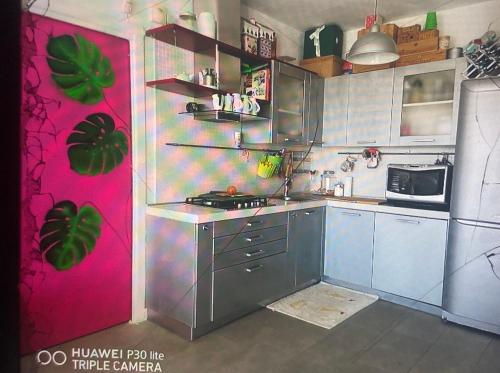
(246, 286)
(227, 227)
(245, 254)
(244, 239)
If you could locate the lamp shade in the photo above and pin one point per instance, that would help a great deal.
(373, 49)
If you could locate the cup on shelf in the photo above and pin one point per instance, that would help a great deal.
(217, 101)
(228, 102)
(237, 103)
(255, 106)
(207, 25)
(247, 104)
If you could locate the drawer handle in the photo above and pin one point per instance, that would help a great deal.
(256, 222)
(254, 253)
(408, 221)
(253, 238)
(367, 142)
(254, 269)
(424, 140)
(309, 212)
(351, 213)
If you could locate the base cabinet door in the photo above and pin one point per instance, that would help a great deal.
(305, 245)
(349, 245)
(408, 257)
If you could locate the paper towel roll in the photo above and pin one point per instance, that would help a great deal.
(348, 186)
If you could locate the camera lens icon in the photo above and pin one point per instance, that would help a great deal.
(45, 357)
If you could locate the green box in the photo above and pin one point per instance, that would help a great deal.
(330, 41)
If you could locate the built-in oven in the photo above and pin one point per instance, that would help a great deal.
(419, 185)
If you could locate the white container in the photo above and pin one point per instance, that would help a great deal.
(206, 24)
(348, 186)
(339, 190)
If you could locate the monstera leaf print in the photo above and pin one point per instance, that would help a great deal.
(68, 235)
(79, 68)
(95, 146)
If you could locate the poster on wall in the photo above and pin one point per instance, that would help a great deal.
(75, 262)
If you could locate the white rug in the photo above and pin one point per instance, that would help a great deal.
(323, 304)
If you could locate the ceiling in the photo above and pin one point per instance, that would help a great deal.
(348, 14)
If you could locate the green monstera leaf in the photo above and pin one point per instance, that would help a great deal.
(95, 146)
(79, 68)
(68, 235)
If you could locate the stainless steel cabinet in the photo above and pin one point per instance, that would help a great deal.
(425, 107)
(370, 107)
(408, 257)
(296, 105)
(349, 245)
(305, 246)
(336, 100)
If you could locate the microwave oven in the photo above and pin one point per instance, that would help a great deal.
(419, 184)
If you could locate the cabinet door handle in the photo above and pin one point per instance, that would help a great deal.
(366, 142)
(254, 269)
(292, 140)
(254, 253)
(351, 213)
(316, 142)
(408, 221)
(424, 140)
(309, 212)
(253, 238)
(256, 222)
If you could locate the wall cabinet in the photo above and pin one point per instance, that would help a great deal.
(349, 245)
(425, 107)
(305, 246)
(370, 108)
(408, 257)
(336, 101)
(295, 108)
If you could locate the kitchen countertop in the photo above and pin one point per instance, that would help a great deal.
(199, 214)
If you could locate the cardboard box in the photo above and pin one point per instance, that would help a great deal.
(418, 46)
(387, 28)
(423, 57)
(356, 69)
(324, 66)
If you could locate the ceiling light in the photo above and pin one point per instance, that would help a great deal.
(373, 48)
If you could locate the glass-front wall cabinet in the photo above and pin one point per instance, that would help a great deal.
(425, 104)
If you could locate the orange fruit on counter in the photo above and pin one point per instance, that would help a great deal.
(231, 190)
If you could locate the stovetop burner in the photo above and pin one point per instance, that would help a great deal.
(222, 200)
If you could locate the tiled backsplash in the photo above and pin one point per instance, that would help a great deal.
(369, 182)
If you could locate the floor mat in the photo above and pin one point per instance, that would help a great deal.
(323, 304)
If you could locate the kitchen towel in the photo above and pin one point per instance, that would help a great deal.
(323, 304)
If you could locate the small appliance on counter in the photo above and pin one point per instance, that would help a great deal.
(223, 200)
(425, 186)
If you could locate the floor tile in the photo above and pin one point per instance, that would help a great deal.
(457, 350)
(490, 359)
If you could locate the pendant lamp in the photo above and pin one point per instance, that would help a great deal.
(373, 48)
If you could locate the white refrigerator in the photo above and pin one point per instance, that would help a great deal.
(472, 276)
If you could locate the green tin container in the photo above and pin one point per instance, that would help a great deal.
(330, 41)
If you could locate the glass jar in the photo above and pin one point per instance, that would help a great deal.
(327, 181)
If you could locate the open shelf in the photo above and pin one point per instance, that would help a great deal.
(222, 116)
(183, 87)
(195, 42)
